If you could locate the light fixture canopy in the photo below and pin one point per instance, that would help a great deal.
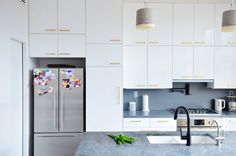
(229, 20)
(145, 18)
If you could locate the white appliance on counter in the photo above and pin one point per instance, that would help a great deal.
(58, 111)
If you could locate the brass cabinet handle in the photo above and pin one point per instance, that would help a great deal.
(140, 85)
(231, 43)
(136, 121)
(154, 42)
(200, 42)
(50, 30)
(51, 53)
(199, 76)
(115, 40)
(231, 85)
(64, 53)
(186, 76)
(114, 63)
(64, 30)
(162, 121)
(186, 43)
(140, 42)
(154, 85)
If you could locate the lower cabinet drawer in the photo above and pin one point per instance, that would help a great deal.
(163, 124)
(136, 124)
(229, 124)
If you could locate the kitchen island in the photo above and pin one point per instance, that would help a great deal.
(99, 144)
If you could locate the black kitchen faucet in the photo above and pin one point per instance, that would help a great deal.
(188, 135)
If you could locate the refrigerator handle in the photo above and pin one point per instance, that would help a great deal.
(55, 110)
(119, 95)
(62, 109)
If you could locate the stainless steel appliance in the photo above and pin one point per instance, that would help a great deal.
(231, 101)
(58, 111)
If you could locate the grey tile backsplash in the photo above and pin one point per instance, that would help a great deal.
(160, 99)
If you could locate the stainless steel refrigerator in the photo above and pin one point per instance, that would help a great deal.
(58, 110)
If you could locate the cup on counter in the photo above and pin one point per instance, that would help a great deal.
(132, 106)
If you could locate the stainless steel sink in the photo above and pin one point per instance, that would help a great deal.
(201, 139)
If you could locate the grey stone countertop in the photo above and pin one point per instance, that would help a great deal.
(227, 114)
(151, 114)
(99, 144)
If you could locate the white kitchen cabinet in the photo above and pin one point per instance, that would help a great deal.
(104, 21)
(163, 124)
(159, 67)
(222, 38)
(104, 55)
(183, 62)
(204, 24)
(71, 45)
(162, 33)
(225, 64)
(203, 62)
(104, 104)
(183, 24)
(135, 67)
(43, 16)
(131, 35)
(136, 124)
(229, 124)
(41, 45)
(71, 16)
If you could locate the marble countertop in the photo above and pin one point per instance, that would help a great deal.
(227, 114)
(99, 144)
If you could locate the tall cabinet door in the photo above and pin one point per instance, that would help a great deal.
(43, 16)
(159, 67)
(131, 35)
(71, 16)
(46, 105)
(183, 24)
(162, 34)
(104, 21)
(104, 105)
(71, 100)
(135, 66)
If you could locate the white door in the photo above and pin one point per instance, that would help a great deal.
(183, 62)
(131, 35)
(104, 21)
(43, 16)
(71, 16)
(71, 45)
(135, 66)
(203, 62)
(104, 55)
(222, 38)
(42, 45)
(159, 67)
(162, 34)
(11, 104)
(183, 24)
(225, 64)
(204, 24)
(104, 105)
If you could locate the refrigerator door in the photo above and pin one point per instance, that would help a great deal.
(46, 105)
(71, 100)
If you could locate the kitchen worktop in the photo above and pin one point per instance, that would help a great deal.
(227, 114)
(99, 144)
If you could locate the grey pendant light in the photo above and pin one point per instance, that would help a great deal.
(145, 18)
(229, 20)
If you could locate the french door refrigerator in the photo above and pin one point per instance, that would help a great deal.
(58, 110)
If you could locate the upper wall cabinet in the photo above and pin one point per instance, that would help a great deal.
(222, 38)
(52, 16)
(183, 24)
(204, 24)
(132, 36)
(104, 21)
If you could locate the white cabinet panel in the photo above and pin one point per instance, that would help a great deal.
(135, 67)
(104, 104)
(104, 21)
(225, 73)
(222, 38)
(163, 124)
(159, 67)
(162, 34)
(71, 46)
(71, 16)
(183, 62)
(136, 124)
(204, 24)
(229, 124)
(43, 16)
(104, 55)
(183, 24)
(43, 45)
(203, 62)
(132, 36)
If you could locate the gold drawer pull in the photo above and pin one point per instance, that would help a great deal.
(231, 85)
(153, 42)
(153, 85)
(200, 76)
(231, 43)
(136, 121)
(64, 30)
(52, 53)
(114, 63)
(186, 77)
(64, 53)
(141, 42)
(162, 121)
(140, 85)
(114, 40)
(199, 42)
(186, 43)
(50, 30)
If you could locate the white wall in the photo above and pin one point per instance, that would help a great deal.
(13, 25)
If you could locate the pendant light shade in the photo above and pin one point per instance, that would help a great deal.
(145, 19)
(229, 21)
